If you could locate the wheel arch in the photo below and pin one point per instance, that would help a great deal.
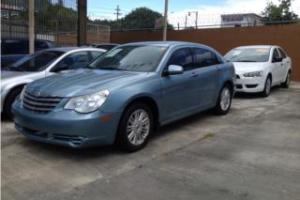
(148, 101)
(12, 89)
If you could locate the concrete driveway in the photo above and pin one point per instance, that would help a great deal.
(252, 153)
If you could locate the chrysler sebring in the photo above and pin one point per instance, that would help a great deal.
(125, 94)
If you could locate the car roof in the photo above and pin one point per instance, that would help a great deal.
(256, 46)
(168, 43)
(67, 49)
(112, 44)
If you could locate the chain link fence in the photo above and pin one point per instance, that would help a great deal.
(55, 20)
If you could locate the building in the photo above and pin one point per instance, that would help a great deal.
(241, 20)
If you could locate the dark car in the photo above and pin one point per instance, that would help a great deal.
(106, 46)
(14, 49)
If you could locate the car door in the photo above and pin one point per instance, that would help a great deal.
(178, 93)
(73, 61)
(276, 66)
(206, 65)
(285, 64)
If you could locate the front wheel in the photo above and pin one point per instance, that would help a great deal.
(135, 127)
(10, 98)
(287, 81)
(267, 88)
(224, 101)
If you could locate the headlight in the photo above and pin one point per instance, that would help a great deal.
(253, 74)
(87, 103)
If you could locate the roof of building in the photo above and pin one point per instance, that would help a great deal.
(232, 17)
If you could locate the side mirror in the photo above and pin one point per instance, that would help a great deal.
(174, 70)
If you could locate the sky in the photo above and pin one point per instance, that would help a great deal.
(209, 10)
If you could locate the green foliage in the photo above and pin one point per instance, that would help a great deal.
(281, 12)
(55, 17)
(140, 18)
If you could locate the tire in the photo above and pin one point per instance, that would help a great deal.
(224, 100)
(10, 98)
(268, 86)
(133, 134)
(286, 83)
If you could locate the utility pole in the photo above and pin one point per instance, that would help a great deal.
(118, 12)
(81, 24)
(196, 17)
(196, 21)
(31, 25)
(165, 20)
(185, 21)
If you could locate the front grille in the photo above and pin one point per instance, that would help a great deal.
(239, 86)
(252, 86)
(40, 104)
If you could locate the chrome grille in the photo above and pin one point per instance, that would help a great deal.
(40, 104)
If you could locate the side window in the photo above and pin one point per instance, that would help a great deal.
(283, 54)
(276, 56)
(204, 57)
(95, 54)
(39, 45)
(182, 57)
(73, 61)
(15, 47)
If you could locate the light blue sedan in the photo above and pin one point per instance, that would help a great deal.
(125, 94)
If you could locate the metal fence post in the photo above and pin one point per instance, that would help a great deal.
(81, 29)
(31, 25)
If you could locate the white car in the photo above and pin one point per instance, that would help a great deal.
(40, 65)
(259, 68)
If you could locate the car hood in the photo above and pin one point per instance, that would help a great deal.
(82, 82)
(245, 67)
(13, 74)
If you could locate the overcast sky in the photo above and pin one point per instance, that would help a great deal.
(209, 10)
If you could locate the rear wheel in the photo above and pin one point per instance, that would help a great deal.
(287, 81)
(135, 127)
(10, 98)
(267, 88)
(224, 101)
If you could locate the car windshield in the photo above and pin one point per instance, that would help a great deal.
(140, 58)
(36, 62)
(248, 55)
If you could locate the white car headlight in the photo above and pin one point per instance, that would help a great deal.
(253, 74)
(87, 103)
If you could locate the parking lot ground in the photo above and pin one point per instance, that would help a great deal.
(252, 153)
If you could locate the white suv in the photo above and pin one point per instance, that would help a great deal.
(259, 68)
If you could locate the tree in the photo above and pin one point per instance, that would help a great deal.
(279, 13)
(140, 18)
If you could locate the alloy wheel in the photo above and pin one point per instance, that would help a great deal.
(138, 127)
(225, 99)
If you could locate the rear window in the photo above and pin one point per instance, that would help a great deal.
(14, 47)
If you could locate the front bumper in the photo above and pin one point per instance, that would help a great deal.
(249, 85)
(65, 127)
